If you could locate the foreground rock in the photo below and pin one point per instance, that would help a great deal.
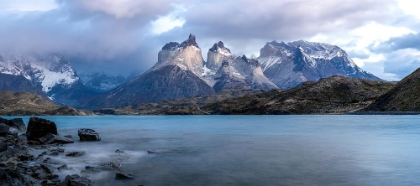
(76, 180)
(14, 178)
(76, 153)
(123, 176)
(88, 135)
(19, 167)
(38, 128)
(52, 138)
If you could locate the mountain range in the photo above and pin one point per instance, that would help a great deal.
(47, 75)
(180, 72)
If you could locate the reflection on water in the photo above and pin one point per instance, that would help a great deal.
(250, 150)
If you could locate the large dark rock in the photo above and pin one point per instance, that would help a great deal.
(52, 138)
(76, 180)
(38, 128)
(88, 135)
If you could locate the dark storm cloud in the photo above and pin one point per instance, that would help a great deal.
(408, 41)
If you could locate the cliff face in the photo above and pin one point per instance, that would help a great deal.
(242, 72)
(217, 54)
(186, 55)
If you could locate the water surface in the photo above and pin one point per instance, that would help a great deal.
(250, 150)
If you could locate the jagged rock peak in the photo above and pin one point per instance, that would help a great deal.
(170, 46)
(253, 62)
(217, 46)
(174, 45)
(190, 42)
(244, 58)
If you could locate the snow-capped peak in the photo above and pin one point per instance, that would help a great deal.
(44, 71)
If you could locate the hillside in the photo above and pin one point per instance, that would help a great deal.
(332, 95)
(24, 103)
(404, 96)
(178, 106)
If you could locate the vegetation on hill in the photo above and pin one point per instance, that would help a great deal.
(24, 103)
(404, 96)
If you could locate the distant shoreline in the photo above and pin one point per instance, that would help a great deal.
(385, 113)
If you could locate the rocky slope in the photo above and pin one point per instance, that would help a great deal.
(290, 64)
(178, 106)
(330, 95)
(52, 74)
(404, 96)
(24, 103)
(18, 84)
(223, 70)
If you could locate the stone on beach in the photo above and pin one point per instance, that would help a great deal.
(88, 135)
(76, 180)
(52, 138)
(76, 153)
(123, 176)
(38, 128)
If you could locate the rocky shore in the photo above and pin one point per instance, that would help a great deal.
(31, 155)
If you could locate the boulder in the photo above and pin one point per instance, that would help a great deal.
(38, 128)
(52, 138)
(4, 129)
(88, 135)
(123, 176)
(76, 180)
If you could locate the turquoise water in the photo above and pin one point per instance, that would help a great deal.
(250, 150)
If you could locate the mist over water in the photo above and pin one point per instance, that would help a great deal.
(249, 150)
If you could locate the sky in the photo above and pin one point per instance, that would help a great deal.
(120, 36)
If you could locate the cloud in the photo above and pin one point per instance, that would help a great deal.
(358, 54)
(408, 41)
(282, 20)
(27, 5)
(123, 35)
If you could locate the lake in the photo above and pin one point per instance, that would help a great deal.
(249, 150)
